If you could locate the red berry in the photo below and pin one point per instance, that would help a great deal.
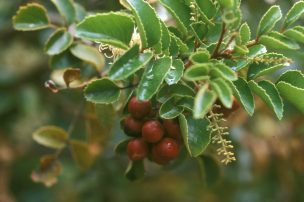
(167, 148)
(157, 158)
(132, 127)
(139, 109)
(172, 128)
(152, 131)
(137, 149)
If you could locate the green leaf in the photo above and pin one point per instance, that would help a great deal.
(135, 170)
(173, 48)
(153, 77)
(296, 33)
(223, 91)
(180, 12)
(253, 52)
(182, 47)
(208, 10)
(170, 109)
(269, 20)
(167, 92)
(294, 14)
(164, 43)
(121, 147)
(58, 42)
(51, 136)
(270, 95)
(31, 17)
(197, 72)
(243, 94)
(89, 54)
(272, 63)
(176, 72)
(226, 3)
(64, 60)
(223, 71)
(278, 41)
(195, 134)
(201, 56)
(129, 63)
(244, 33)
(200, 30)
(102, 91)
(81, 154)
(203, 102)
(291, 87)
(80, 12)
(66, 9)
(114, 29)
(148, 23)
(211, 168)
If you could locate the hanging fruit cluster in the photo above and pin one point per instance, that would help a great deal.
(153, 138)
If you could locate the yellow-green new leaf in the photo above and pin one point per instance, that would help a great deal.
(89, 54)
(223, 91)
(51, 136)
(31, 17)
(81, 154)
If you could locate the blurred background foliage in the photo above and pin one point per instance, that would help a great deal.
(270, 160)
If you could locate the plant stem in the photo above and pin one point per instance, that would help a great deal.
(220, 41)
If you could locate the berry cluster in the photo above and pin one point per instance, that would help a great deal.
(159, 140)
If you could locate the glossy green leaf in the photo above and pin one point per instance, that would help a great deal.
(223, 71)
(269, 20)
(180, 12)
(182, 47)
(129, 63)
(102, 91)
(272, 62)
(148, 23)
(243, 94)
(291, 87)
(203, 102)
(296, 33)
(223, 91)
(89, 54)
(195, 134)
(121, 147)
(201, 56)
(294, 14)
(114, 29)
(278, 41)
(81, 154)
(66, 9)
(153, 77)
(197, 72)
(173, 48)
(176, 72)
(211, 168)
(207, 9)
(31, 17)
(254, 51)
(164, 43)
(166, 92)
(58, 42)
(51, 136)
(170, 109)
(135, 170)
(269, 94)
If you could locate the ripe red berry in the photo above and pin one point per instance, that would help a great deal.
(152, 131)
(132, 127)
(157, 158)
(137, 149)
(139, 109)
(167, 148)
(172, 128)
